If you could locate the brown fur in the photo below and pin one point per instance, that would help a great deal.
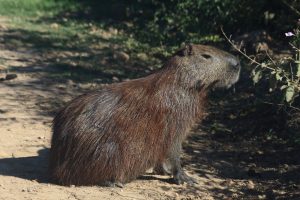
(115, 134)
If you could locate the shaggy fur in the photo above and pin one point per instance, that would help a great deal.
(115, 134)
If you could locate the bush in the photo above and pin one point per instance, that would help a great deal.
(174, 21)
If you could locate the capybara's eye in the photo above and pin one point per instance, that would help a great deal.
(206, 56)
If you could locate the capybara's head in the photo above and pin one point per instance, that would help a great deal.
(201, 65)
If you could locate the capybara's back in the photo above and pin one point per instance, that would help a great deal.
(116, 133)
(107, 136)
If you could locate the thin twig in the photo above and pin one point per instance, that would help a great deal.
(284, 73)
(293, 46)
(244, 54)
(271, 59)
(281, 104)
(292, 77)
(239, 50)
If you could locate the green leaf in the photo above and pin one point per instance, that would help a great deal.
(289, 94)
(283, 87)
(263, 65)
(278, 76)
(256, 76)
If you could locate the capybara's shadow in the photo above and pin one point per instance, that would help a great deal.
(150, 176)
(36, 168)
(30, 168)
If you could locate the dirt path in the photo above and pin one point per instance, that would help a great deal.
(27, 106)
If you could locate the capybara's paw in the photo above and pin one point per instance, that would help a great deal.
(114, 184)
(182, 177)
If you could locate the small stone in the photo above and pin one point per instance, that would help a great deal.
(115, 79)
(54, 25)
(261, 196)
(229, 182)
(250, 185)
(121, 56)
(232, 116)
(260, 152)
(142, 56)
(281, 192)
(70, 82)
(234, 195)
(113, 30)
(233, 190)
(10, 76)
(286, 166)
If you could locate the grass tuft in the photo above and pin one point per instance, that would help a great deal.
(34, 7)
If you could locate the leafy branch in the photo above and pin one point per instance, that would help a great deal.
(289, 82)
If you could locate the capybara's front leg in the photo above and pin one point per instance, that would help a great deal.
(179, 175)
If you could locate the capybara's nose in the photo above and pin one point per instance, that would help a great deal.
(234, 61)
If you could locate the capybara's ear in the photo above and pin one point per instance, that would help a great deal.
(187, 50)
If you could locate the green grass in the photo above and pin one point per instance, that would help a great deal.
(34, 7)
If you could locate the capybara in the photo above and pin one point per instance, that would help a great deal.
(113, 135)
